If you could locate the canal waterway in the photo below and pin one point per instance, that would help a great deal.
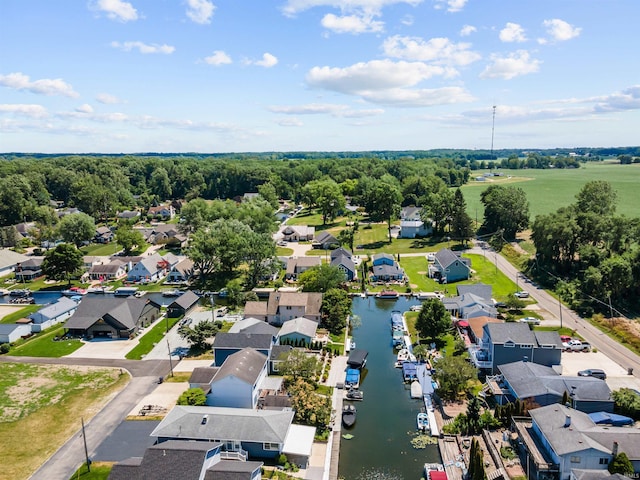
(386, 420)
(46, 297)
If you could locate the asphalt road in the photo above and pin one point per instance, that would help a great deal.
(137, 368)
(565, 317)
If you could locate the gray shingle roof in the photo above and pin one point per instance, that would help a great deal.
(480, 290)
(446, 257)
(341, 252)
(242, 340)
(185, 301)
(325, 237)
(203, 375)
(548, 338)
(9, 258)
(125, 311)
(223, 423)
(300, 325)
(247, 364)
(518, 333)
(344, 261)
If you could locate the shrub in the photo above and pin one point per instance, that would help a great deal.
(4, 348)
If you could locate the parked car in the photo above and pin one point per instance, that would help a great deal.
(593, 372)
(532, 320)
(282, 243)
(576, 346)
(565, 338)
(522, 294)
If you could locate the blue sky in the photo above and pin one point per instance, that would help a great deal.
(332, 75)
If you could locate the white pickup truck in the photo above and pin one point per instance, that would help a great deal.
(576, 346)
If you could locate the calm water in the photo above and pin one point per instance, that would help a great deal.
(44, 298)
(386, 419)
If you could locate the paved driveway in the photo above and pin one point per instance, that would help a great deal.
(129, 439)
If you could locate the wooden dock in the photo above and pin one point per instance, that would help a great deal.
(452, 457)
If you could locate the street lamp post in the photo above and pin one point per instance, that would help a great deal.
(213, 305)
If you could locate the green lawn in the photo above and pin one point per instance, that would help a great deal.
(43, 345)
(548, 190)
(151, 338)
(21, 313)
(99, 471)
(101, 249)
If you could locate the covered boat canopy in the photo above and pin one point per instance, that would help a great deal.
(357, 358)
(353, 377)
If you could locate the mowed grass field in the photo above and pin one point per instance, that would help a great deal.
(41, 407)
(548, 190)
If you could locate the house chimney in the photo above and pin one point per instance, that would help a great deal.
(614, 450)
(567, 421)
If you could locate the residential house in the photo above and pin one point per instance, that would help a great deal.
(201, 378)
(283, 306)
(410, 213)
(298, 233)
(183, 305)
(238, 381)
(53, 314)
(105, 272)
(557, 440)
(472, 301)
(163, 234)
(476, 330)
(253, 434)
(103, 235)
(539, 386)
(89, 261)
(298, 330)
(25, 229)
(164, 212)
(325, 241)
(256, 309)
(11, 332)
(297, 265)
(128, 214)
(149, 269)
(184, 460)
(386, 269)
(510, 342)
(343, 259)
(226, 344)
(181, 273)
(450, 267)
(278, 355)
(67, 211)
(414, 229)
(29, 270)
(253, 325)
(111, 317)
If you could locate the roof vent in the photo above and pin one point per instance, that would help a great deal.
(567, 421)
(205, 418)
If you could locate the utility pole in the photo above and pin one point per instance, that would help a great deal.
(86, 452)
(170, 362)
(560, 308)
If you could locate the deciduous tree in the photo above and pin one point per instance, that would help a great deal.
(62, 262)
(433, 320)
(77, 228)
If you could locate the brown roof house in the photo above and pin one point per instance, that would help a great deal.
(297, 265)
(256, 310)
(161, 211)
(111, 317)
(283, 306)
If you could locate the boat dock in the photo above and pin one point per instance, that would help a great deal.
(452, 458)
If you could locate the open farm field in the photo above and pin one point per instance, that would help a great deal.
(548, 190)
(42, 405)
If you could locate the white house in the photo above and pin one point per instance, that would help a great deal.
(8, 261)
(149, 269)
(52, 314)
(10, 332)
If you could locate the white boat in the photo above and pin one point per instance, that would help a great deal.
(3, 292)
(73, 291)
(416, 389)
(422, 420)
(97, 289)
(403, 355)
(171, 293)
(125, 291)
(434, 471)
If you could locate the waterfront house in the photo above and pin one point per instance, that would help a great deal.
(104, 272)
(472, 301)
(111, 317)
(283, 306)
(180, 273)
(149, 269)
(539, 386)
(53, 314)
(298, 265)
(557, 440)
(252, 434)
(510, 342)
(226, 344)
(298, 330)
(8, 261)
(343, 259)
(238, 381)
(29, 270)
(185, 460)
(256, 309)
(11, 332)
(450, 267)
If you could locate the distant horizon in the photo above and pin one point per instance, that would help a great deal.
(119, 76)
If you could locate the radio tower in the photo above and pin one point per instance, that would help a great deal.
(493, 126)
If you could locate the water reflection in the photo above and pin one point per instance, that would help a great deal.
(381, 444)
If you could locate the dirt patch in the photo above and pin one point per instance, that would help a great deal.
(413, 285)
(422, 273)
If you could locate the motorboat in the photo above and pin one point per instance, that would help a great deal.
(354, 394)
(20, 292)
(388, 294)
(403, 355)
(171, 293)
(348, 415)
(416, 389)
(23, 300)
(73, 291)
(97, 289)
(4, 291)
(422, 420)
(434, 471)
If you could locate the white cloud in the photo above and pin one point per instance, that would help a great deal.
(218, 58)
(292, 7)
(351, 24)
(559, 31)
(200, 11)
(387, 82)
(144, 47)
(467, 30)
(451, 5)
(407, 20)
(333, 109)
(116, 10)
(437, 50)
(107, 99)
(512, 32)
(511, 66)
(84, 108)
(290, 122)
(267, 61)
(628, 99)
(28, 110)
(45, 86)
